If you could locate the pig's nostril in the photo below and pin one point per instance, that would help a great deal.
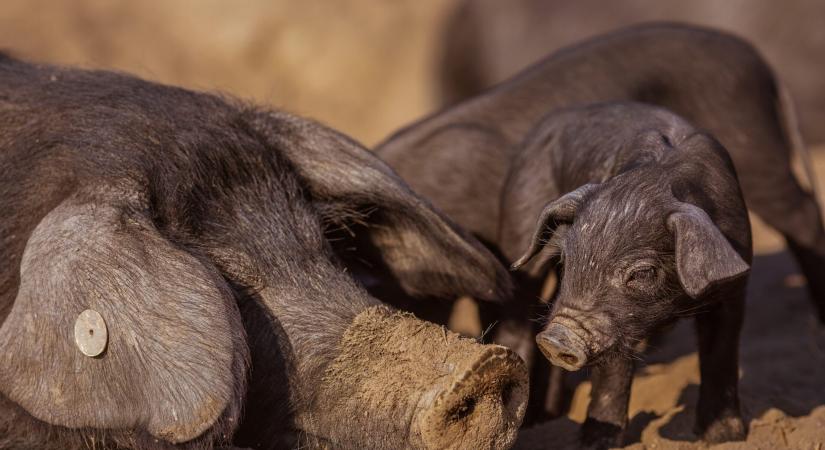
(569, 358)
(483, 405)
(507, 394)
(463, 409)
(559, 353)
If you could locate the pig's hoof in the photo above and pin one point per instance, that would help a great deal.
(724, 430)
(483, 407)
(596, 435)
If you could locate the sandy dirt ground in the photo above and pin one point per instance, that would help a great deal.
(782, 384)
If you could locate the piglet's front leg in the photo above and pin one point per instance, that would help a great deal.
(718, 418)
(609, 397)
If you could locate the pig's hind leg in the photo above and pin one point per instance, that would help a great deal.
(782, 203)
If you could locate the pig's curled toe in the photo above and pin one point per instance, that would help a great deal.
(482, 408)
(400, 382)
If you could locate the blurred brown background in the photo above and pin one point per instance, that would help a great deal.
(363, 67)
(487, 41)
(367, 67)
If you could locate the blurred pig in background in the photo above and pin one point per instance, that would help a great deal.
(487, 41)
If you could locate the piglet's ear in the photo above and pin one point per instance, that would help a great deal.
(704, 256)
(557, 212)
(114, 327)
(386, 224)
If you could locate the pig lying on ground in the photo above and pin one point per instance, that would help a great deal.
(460, 158)
(193, 228)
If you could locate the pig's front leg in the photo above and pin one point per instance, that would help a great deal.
(609, 397)
(718, 418)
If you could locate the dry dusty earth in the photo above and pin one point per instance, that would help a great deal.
(782, 382)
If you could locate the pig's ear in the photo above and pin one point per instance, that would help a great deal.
(114, 327)
(386, 225)
(557, 212)
(704, 256)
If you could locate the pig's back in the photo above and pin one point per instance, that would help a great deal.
(590, 143)
(699, 73)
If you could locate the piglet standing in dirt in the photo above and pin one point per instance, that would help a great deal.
(647, 220)
(166, 280)
(458, 158)
(462, 158)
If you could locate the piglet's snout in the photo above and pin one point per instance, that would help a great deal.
(562, 347)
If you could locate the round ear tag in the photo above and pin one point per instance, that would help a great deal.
(90, 333)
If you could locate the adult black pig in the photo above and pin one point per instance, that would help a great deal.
(460, 158)
(164, 265)
(484, 42)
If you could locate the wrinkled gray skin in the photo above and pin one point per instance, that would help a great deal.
(199, 228)
(462, 158)
(485, 42)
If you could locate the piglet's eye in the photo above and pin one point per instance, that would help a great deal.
(642, 275)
